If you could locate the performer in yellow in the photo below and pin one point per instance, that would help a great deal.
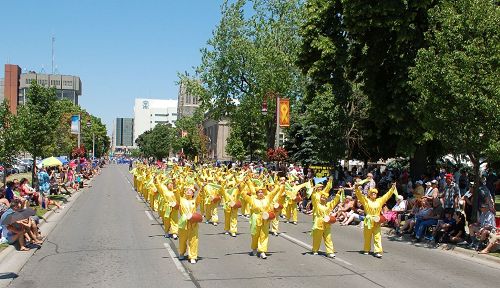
(373, 208)
(322, 208)
(188, 230)
(171, 210)
(279, 200)
(231, 197)
(211, 205)
(292, 193)
(259, 203)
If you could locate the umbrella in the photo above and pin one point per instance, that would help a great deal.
(51, 162)
(63, 160)
(17, 216)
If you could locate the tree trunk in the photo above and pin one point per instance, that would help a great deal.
(271, 132)
(418, 162)
(34, 180)
(477, 184)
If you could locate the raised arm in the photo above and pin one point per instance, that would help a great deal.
(387, 195)
(359, 195)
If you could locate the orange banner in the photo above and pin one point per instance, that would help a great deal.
(284, 112)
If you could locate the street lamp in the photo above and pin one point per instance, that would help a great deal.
(89, 125)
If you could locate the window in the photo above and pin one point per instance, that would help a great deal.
(161, 115)
(174, 114)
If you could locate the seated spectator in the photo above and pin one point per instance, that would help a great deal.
(420, 209)
(19, 230)
(428, 219)
(480, 231)
(344, 208)
(392, 216)
(493, 243)
(9, 191)
(28, 192)
(356, 215)
(418, 192)
(443, 226)
(456, 233)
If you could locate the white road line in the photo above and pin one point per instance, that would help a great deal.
(307, 246)
(138, 198)
(149, 215)
(176, 261)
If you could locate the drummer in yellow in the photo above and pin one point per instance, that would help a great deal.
(260, 203)
(231, 196)
(373, 208)
(188, 230)
(321, 211)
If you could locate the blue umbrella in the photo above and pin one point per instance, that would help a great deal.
(63, 160)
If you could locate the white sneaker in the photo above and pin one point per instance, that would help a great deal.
(175, 236)
(378, 255)
(253, 253)
(263, 255)
(366, 253)
(332, 255)
(226, 233)
(233, 234)
(215, 224)
(193, 261)
(315, 253)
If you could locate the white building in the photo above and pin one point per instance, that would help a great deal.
(149, 112)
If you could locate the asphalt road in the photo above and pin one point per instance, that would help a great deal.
(109, 239)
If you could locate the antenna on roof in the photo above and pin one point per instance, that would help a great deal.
(53, 41)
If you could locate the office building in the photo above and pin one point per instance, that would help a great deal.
(124, 132)
(16, 84)
(149, 112)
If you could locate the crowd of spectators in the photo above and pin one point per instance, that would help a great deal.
(19, 195)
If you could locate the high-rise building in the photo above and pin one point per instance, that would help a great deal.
(186, 103)
(149, 112)
(16, 84)
(124, 132)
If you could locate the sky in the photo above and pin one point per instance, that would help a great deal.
(120, 49)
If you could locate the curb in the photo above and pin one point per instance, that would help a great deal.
(454, 249)
(5, 252)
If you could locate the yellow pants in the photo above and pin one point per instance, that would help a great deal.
(135, 183)
(291, 212)
(171, 224)
(211, 212)
(261, 237)
(285, 206)
(326, 235)
(231, 220)
(377, 238)
(245, 208)
(188, 238)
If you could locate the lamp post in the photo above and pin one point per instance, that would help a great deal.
(89, 125)
(272, 96)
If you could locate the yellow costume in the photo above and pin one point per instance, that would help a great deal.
(259, 227)
(373, 208)
(322, 229)
(170, 210)
(230, 195)
(188, 231)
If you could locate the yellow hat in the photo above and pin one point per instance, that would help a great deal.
(373, 190)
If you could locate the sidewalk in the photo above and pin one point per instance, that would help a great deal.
(12, 261)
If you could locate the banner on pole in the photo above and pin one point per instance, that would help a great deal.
(75, 124)
(284, 112)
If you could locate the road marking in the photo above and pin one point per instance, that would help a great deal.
(149, 215)
(307, 246)
(177, 263)
(138, 198)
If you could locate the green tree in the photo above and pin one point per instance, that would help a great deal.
(235, 147)
(250, 60)
(457, 80)
(38, 120)
(190, 137)
(157, 142)
(9, 136)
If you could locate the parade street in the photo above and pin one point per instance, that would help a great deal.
(109, 238)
